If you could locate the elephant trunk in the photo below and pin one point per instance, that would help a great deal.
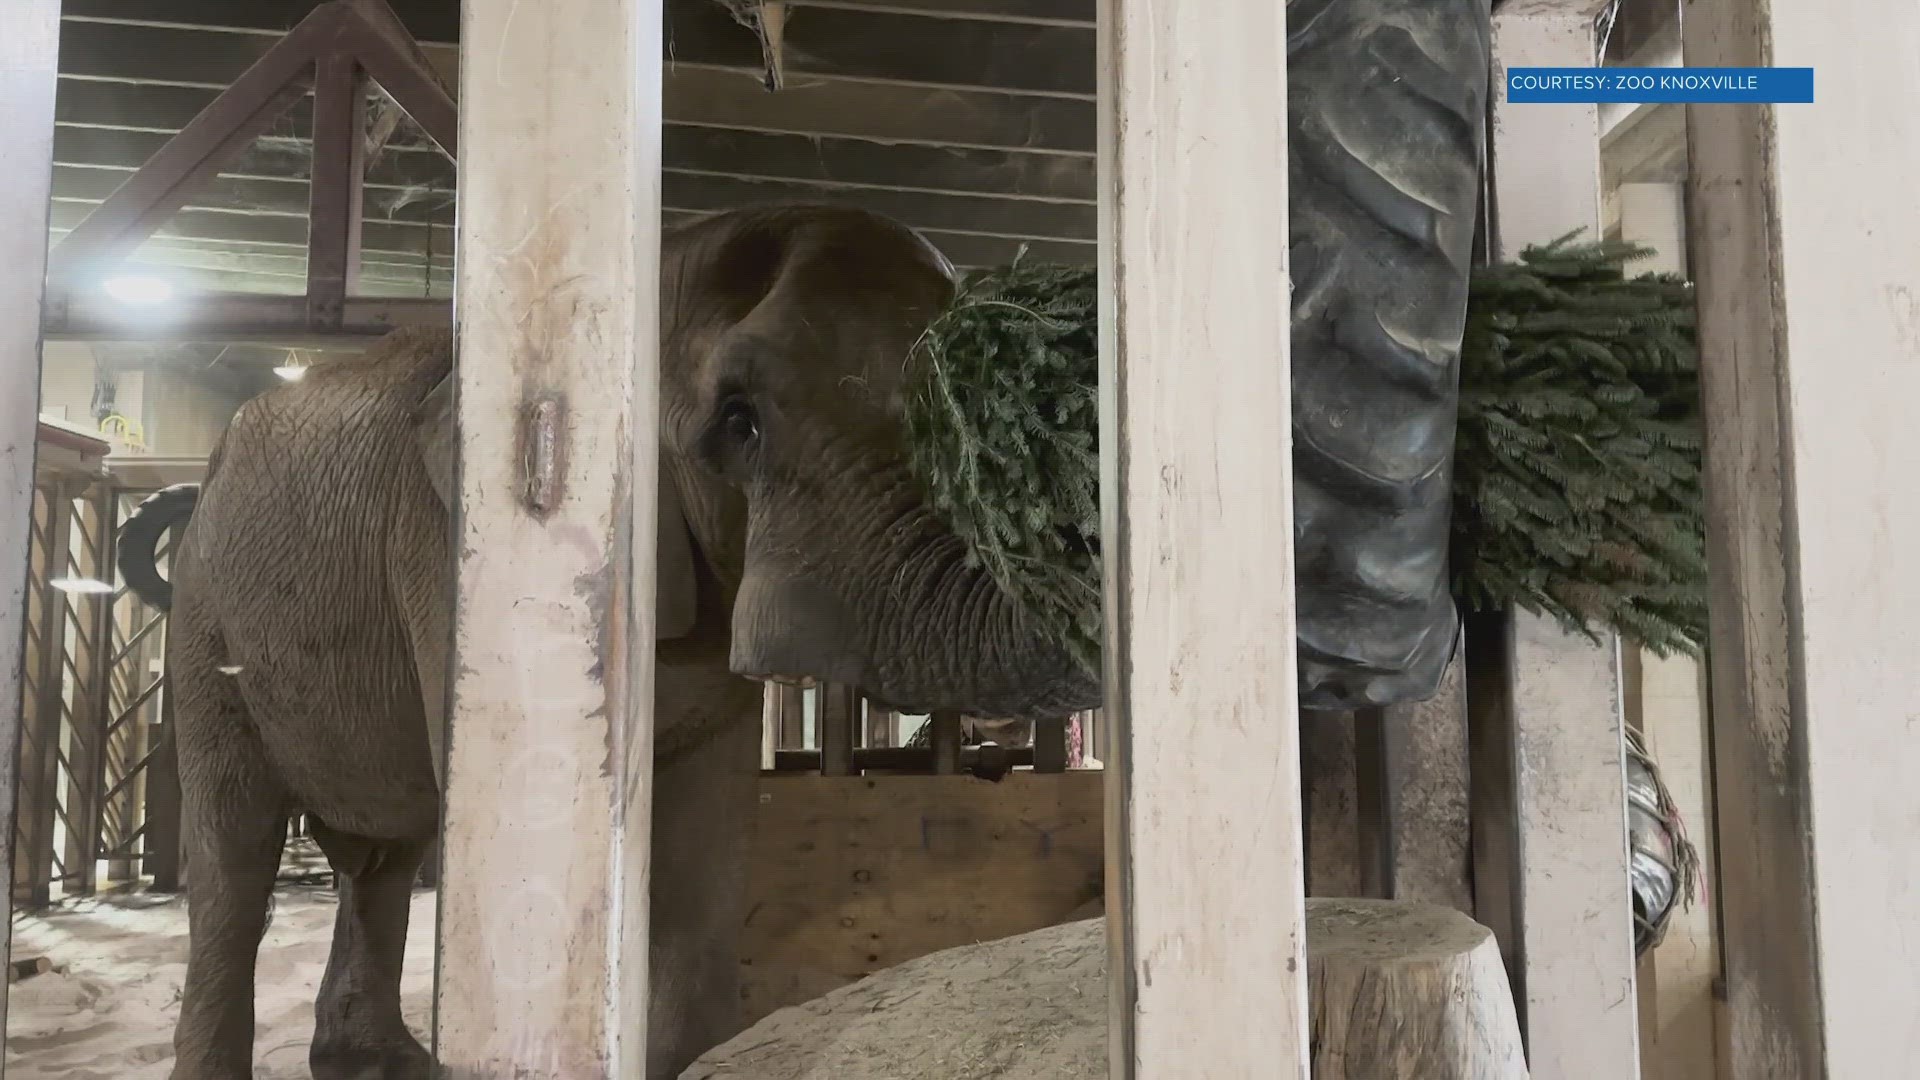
(894, 607)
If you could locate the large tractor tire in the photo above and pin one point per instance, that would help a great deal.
(1386, 127)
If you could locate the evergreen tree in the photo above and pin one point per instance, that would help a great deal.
(1576, 464)
(1577, 460)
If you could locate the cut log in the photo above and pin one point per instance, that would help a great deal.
(28, 968)
(1400, 991)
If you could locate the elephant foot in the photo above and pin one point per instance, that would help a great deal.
(204, 1070)
(388, 1059)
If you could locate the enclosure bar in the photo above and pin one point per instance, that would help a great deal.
(543, 937)
(1204, 887)
(1808, 285)
(1558, 768)
(28, 74)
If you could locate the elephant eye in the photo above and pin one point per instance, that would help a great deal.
(739, 421)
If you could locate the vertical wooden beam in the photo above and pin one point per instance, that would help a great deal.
(1376, 754)
(1050, 745)
(1570, 940)
(1680, 1024)
(162, 862)
(839, 708)
(945, 740)
(28, 51)
(92, 716)
(882, 726)
(36, 807)
(1809, 300)
(164, 853)
(335, 188)
(1204, 891)
(544, 900)
(1430, 784)
(1330, 785)
(793, 717)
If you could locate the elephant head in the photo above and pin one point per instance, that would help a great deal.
(787, 505)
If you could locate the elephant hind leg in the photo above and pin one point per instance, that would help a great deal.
(235, 818)
(358, 1030)
(229, 891)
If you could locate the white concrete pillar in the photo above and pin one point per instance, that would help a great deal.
(544, 902)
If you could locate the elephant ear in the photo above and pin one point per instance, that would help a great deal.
(676, 591)
(677, 602)
(438, 439)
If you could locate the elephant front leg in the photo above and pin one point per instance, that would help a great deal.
(703, 815)
(359, 1033)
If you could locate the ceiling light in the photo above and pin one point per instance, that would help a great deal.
(138, 289)
(291, 372)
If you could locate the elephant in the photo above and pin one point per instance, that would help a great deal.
(311, 607)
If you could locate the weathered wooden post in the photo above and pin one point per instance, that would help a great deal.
(1550, 830)
(543, 927)
(29, 51)
(1205, 905)
(1807, 265)
(1677, 977)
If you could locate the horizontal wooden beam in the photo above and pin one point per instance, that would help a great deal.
(1078, 12)
(248, 267)
(232, 317)
(1527, 9)
(401, 238)
(921, 210)
(910, 759)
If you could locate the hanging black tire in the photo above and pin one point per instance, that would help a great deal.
(1386, 127)
(138, 541)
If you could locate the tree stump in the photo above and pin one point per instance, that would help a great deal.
(1399, 991)
(1404, 991)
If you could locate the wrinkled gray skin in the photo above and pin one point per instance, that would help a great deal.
(311, 619)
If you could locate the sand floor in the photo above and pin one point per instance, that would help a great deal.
(109, 1013)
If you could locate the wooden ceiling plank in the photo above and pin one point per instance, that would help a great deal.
(864, 45)
(701, 97)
